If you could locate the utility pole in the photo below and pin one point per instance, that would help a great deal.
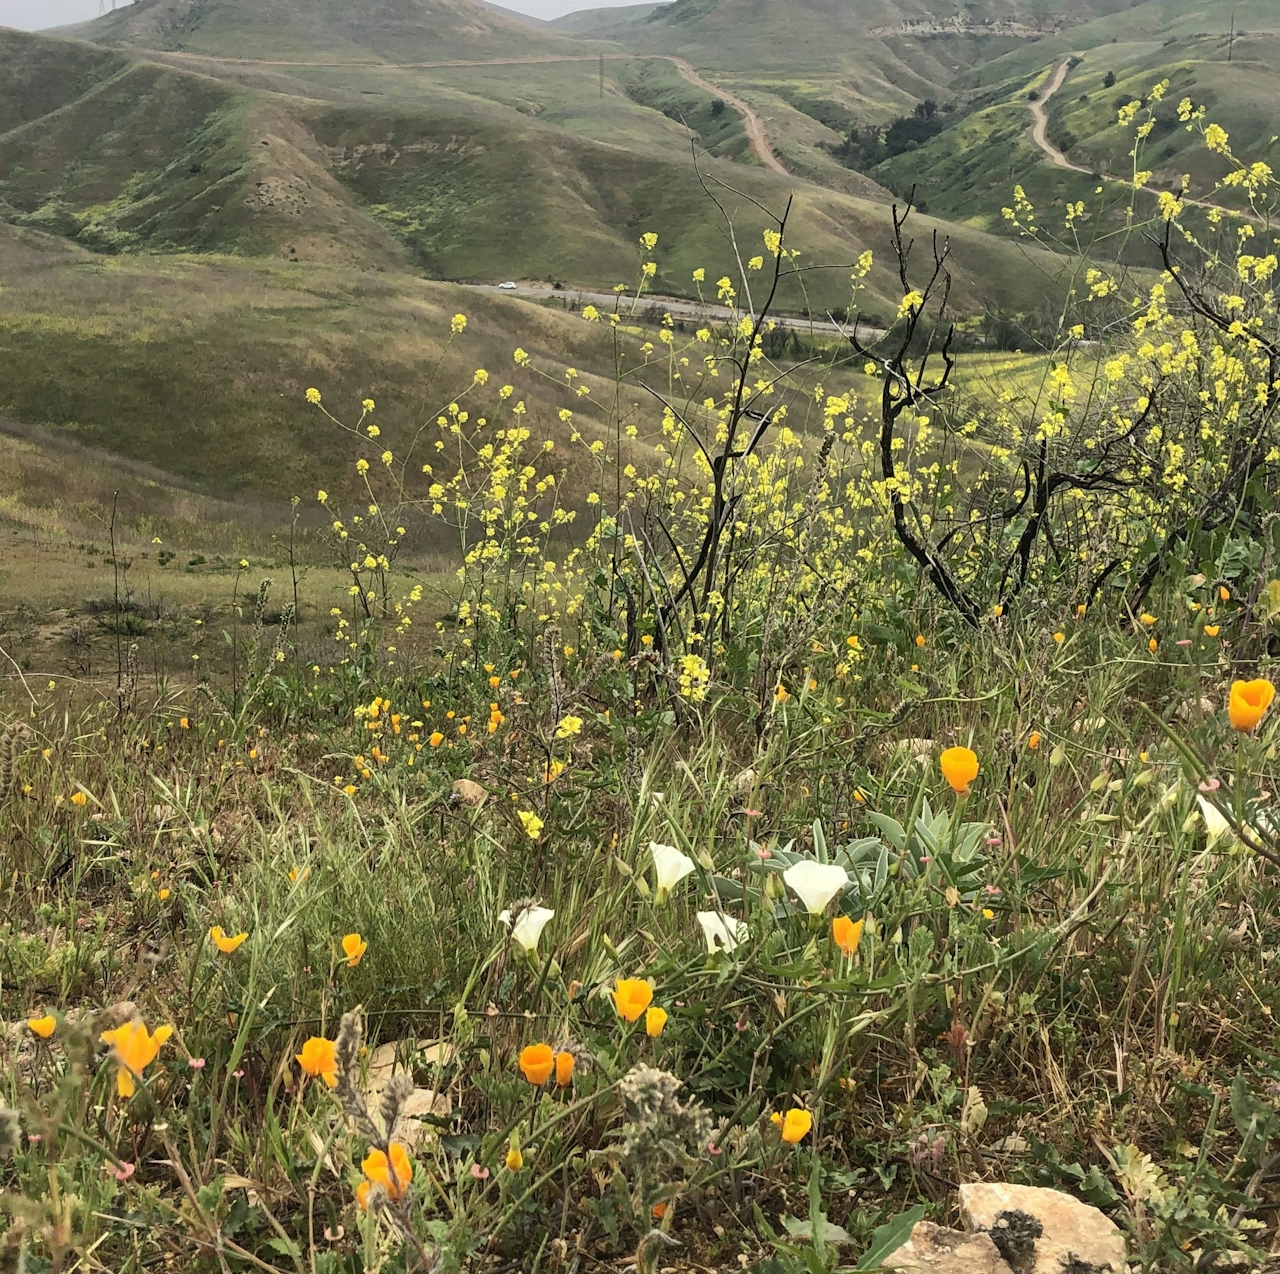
(602, 75)
(1231, 42)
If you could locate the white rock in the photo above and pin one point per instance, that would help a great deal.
(931, 1249)
(1072, 1235)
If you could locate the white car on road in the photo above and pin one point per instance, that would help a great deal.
(506, 287)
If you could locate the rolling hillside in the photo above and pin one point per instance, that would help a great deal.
(156, 157)
(815, 69)
(968, 169)
(197, 364)
(818, 70)
(374, 30)
(299, 166)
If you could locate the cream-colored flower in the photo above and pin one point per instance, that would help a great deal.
(722, 933)
(670, 867)
(1215, 822)
(815, 884)
(528, 927)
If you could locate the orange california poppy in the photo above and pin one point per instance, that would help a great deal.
(959, 768)
(847, 933)
(537, 1062)
(1249, 703)
(631, 996)
(319, 1058)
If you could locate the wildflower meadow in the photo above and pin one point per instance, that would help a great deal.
(839, 782)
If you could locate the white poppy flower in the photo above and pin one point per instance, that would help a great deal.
(1215, 822)
(529, 925)
(816, 884)
(723, 933)
(670, 866)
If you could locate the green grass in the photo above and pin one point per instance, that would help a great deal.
(382, 30)
(970, 169)
(1242, 94)
(1063, 976)
(197, 365)
(454, 185)
(1093, 910)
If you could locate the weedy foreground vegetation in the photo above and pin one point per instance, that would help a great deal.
(853, 799)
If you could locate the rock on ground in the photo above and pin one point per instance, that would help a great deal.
(1040, 1231)
(931, 1249)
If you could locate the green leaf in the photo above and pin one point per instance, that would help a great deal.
(1253, 1118)
(827, 1231)
(894, 832)
(888, 1238)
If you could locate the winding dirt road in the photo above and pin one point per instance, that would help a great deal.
(756, 135)
(1040, 114)
(1040, 135)
(754, 125)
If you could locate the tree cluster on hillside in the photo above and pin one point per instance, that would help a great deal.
(864, 148)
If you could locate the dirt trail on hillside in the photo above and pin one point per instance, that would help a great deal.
(756, 135)
(1040, 135)
(1040, 114)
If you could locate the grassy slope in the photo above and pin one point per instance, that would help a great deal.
(815, 68)
(160, 158)
(1243, 95)
(589, 21)
(390, 30)
(969, 170)
(197, 365)
(139, 156)
(821, 36)
(1147, 22)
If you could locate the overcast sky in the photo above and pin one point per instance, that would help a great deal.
(35, 15)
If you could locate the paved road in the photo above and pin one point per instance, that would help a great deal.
(675, 306)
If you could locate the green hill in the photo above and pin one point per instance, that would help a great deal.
(816, 69)
(968, 169)
(373, 30)
(155, 157)
(590, 21)
(132, 155)
(293, 164)
(197, 365)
